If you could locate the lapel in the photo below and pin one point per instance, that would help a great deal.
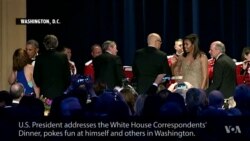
(218, 58)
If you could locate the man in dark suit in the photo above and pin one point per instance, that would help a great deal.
(52, 71)
(224, 77)
(108, 66)
(16, 92)
(32, 48)
(149, 62)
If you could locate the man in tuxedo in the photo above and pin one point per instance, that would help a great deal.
(32, 48)
(51, 72)
(224, 77)
(149, 62)
(108, 66)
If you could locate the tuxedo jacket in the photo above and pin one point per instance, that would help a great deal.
(224, 76)
(52, 73)
(148, 63)
(108, 69)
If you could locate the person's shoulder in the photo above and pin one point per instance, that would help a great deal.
(203, 56)
(140, 50)
(29, 66)
(106, 55)
(161, 52)
(116, 57)
(224, 57)
(111, 55)
(96, 59)
(227, 57)
(60, 55)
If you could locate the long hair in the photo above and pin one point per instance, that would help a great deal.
(20, 59)
(194, 39)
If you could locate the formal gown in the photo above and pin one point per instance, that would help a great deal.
(28, 86)
(192, 72)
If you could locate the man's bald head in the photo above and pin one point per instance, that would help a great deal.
(154, 40)
(16, 90)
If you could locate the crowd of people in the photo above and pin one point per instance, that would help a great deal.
(101, 90)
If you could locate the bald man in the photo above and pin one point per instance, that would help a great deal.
(16, 92)
(224, 76)
(149, 62)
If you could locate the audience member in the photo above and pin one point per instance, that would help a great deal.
(216, 99)
(5, 99)
(193, 66)
(108, 66)
(196, 102)
(130, 97)
(215, 105)
(224, 77)
(16, 92)
(242, 99)
(164, 94)
(149, 62)
(29, 108)
(71, 108)
(152, 105)
(32, 48)
(153, 101)
(111, 105)
(96, 50)
(5, 104)
(154, 87)
(139, 104)
(173, 106)
(51, 72)
(22, 72)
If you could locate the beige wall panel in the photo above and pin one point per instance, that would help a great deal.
(12, 36)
